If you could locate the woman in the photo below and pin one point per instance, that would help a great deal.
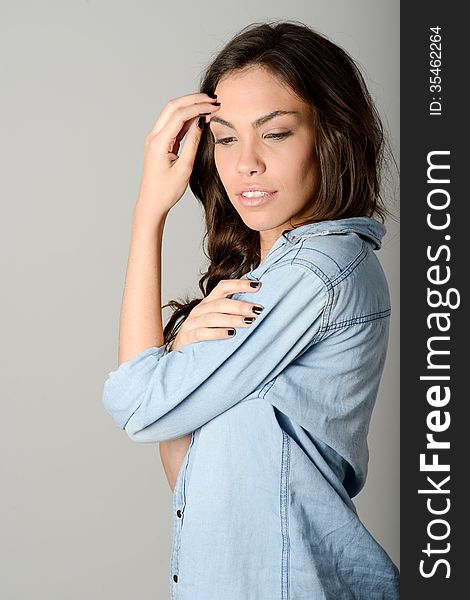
(262, 413)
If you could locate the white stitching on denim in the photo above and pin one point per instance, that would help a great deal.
(284, 508)
(360, 319)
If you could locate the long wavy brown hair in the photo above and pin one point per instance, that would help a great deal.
(350, 145)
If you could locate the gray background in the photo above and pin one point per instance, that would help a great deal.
(86, 512)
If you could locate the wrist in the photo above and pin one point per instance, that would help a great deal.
(147, 215)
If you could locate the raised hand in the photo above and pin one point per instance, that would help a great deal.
(166, 174)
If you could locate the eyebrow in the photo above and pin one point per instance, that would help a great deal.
(256, 122)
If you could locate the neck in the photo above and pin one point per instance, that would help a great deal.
(267, 239)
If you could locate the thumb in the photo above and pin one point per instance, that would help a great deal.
(191, 142)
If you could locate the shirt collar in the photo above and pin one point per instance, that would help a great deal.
(366, 227)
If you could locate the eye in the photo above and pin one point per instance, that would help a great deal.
(223, 141)
(274, 136)
(279, 136)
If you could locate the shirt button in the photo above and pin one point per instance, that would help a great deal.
(175, 578)
(179, 513)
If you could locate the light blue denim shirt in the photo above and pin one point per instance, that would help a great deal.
(279, 415)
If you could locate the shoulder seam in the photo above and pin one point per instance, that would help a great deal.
(303, 264)
(328, 287)
(313, 268)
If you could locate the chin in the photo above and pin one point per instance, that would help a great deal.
(262, 222)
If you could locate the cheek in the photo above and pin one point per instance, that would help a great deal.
(296, 159)
(307, 166)
(222, 164)
(296, 168)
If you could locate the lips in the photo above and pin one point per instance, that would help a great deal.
(256, 201)
(254, 188)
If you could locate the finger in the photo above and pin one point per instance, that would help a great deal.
(175, 124)
(226, 287)
(191, 143)
(179, 137)
(183, 132)
(187, 125)
(227, 306)
(175, 103)
(221, 320)
(210, 333)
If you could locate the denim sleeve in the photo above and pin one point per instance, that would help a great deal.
(157, 396)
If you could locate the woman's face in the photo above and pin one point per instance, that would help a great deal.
(276, 153)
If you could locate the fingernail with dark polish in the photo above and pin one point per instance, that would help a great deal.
(231, 331)
(200, 122)
(255, 283)
(257, 309)
(216, 103)
(249, 319)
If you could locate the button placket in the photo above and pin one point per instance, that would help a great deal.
(178, 505)
(179, 502)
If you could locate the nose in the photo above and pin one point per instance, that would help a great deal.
(250, 160)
